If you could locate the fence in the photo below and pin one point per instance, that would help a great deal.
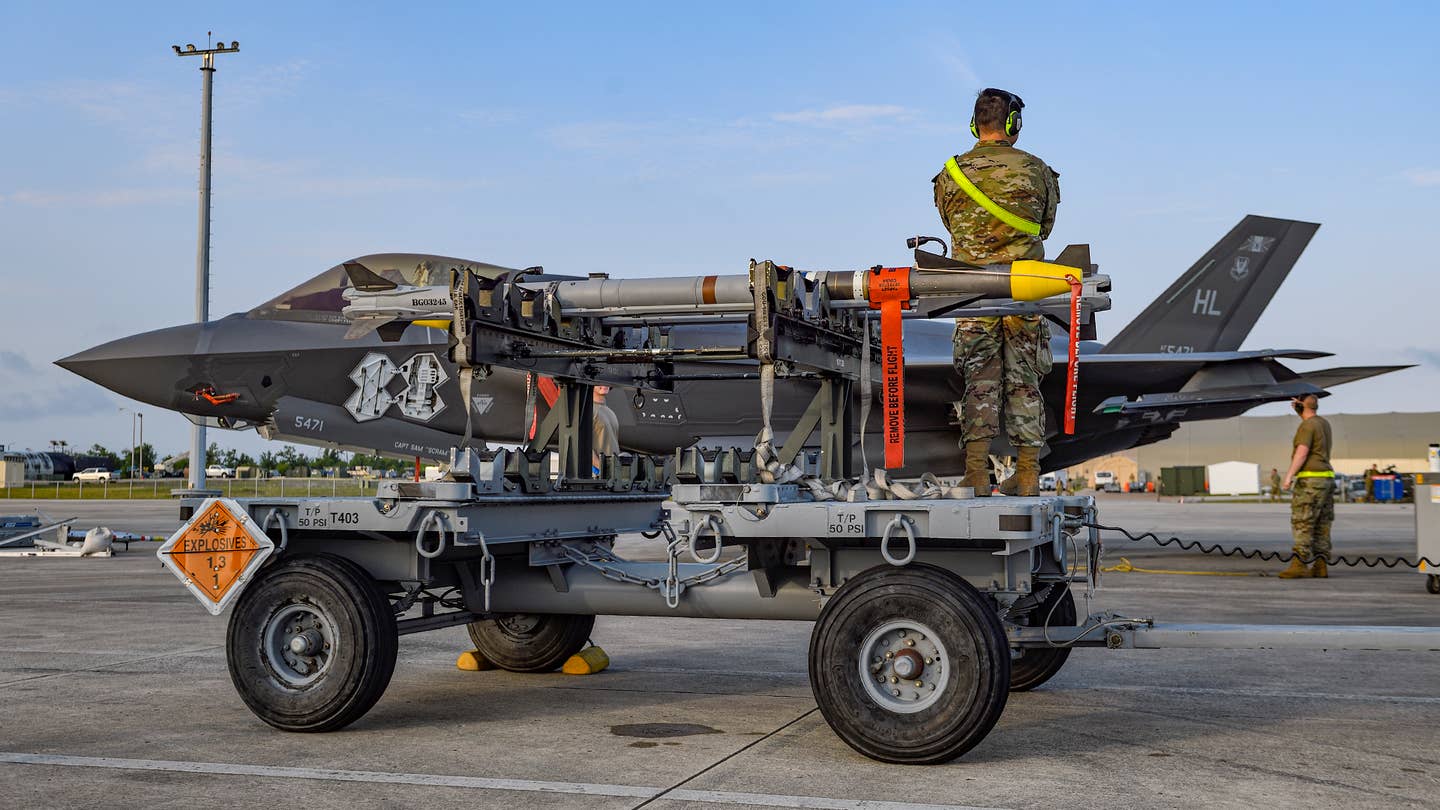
(160, 488)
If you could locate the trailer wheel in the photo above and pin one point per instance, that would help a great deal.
(531, 642)
(1432, 583)
(311, 644)
(1032, 666)
(909, 665)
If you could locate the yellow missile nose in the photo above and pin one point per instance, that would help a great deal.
(1031, 280)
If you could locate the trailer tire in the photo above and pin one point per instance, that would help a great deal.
(1432, 583)
(963, 664)
(311, 644)
(1033, 666)
(531, 642)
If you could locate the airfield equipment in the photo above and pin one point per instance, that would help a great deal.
(930, 605)
(912, 584)
(1427, 528)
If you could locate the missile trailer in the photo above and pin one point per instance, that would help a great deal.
(929, 604)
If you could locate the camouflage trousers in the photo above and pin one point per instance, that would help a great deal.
(1001, 362)
(1312, 510)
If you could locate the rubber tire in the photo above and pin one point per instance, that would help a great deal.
(1036, 665)
(543, 649)
(366, 648)
(963, 619)
(1432, 583)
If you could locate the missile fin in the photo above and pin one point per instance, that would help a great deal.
(367, 280)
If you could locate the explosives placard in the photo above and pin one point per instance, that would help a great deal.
(216, 552)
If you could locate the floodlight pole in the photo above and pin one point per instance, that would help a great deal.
(202, 254)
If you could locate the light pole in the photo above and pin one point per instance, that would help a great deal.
(140, 447)
(202, 254)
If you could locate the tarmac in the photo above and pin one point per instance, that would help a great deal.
(114, 690)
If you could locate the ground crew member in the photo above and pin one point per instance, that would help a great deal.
(999, 205)
(606, 427)
(1274, 484)
(1312, 504)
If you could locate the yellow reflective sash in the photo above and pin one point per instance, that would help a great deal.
(1319, 474)
(1018, 223)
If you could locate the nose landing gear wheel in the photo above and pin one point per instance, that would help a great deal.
(531, 642)
(311, 644)
(909, 665)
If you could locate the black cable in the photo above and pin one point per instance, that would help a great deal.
(1266, 556)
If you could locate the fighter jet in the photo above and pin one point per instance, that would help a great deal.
(296, 368)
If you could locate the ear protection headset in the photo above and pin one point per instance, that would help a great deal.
(1014, 104)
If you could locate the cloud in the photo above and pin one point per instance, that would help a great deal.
(1422, 177)
(845, 115)
(947, 50)
(32, 393)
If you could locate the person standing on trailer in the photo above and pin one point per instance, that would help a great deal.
(1312, 504)
(998, 203)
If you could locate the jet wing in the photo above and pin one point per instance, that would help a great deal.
(1331, 377)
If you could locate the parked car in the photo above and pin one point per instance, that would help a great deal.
(1106, 481)
(94, 474)
(217, 471)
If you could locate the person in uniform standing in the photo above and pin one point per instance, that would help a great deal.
(606, 428)
(1274, 484)
(1312, 503)
(998, 203)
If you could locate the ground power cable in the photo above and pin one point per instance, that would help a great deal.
(1269, 556)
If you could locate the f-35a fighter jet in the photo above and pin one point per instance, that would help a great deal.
(296, 369)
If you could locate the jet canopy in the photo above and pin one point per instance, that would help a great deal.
(320, 299)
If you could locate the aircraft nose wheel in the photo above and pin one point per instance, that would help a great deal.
(909, 665)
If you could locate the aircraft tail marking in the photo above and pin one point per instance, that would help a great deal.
(1213, 306)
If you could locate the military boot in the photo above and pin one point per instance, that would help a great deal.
(1027, 472)
(1297, 569)
(977, 467)
(1320, 570)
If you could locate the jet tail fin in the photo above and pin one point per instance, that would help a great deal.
(1213, 305)
(367, 280)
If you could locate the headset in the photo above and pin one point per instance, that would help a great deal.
(1013, 120)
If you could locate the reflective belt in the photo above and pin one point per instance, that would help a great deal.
(1319, 474)
(1018, 223)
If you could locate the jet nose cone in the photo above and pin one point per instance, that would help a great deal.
(143, 367)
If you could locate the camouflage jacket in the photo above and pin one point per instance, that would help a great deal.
(1015, 180)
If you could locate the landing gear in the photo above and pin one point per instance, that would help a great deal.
(523, 642)
(311, 644)
(1432, 583)
(1032, 666)
(909, 665)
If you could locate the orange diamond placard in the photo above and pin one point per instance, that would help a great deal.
(216, 551)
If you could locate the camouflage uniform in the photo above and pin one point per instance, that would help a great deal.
(1312, 504)
(1000, 356)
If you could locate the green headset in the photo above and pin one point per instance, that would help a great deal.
(1013, 120)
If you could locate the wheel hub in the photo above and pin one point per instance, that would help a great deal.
(299, 642)
(904, 666)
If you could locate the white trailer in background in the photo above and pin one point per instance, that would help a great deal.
(1233, 478)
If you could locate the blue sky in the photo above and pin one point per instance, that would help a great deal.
(649, 139)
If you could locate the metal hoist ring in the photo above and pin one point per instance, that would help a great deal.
(713, 525)
(885, 537)
(437, 517)
(278, 517)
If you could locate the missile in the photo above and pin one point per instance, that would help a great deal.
(378, 304)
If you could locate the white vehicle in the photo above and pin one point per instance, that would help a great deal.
(217, 471)
(93, 474)
(1047, 482)
(1106, 481)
